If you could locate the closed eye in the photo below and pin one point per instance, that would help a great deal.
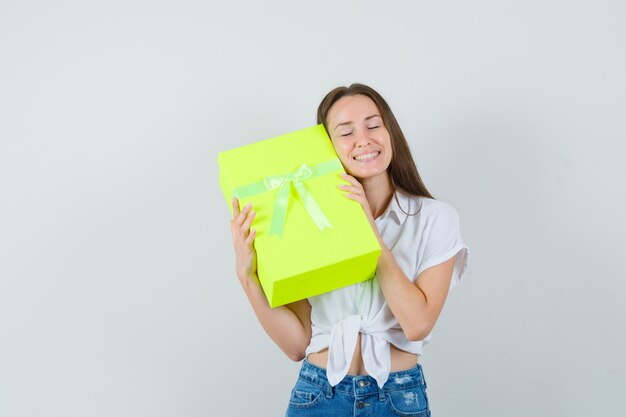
(373, 127)
(347, 134)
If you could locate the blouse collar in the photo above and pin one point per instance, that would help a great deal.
(398, 211)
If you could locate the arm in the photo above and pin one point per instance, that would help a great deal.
(288, 326)
(415, 306)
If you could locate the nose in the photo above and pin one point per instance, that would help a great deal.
(362, 139)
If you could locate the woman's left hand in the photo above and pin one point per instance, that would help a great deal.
(356, 192)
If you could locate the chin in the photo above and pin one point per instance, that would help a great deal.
(366, 173)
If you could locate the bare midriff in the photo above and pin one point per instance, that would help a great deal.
(400, 359)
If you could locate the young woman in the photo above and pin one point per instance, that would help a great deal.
(360, 344)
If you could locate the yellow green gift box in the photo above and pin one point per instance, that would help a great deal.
(310, 239)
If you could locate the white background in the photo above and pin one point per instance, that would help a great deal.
(118, 294)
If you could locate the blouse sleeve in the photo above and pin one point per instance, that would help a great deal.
(441, 240)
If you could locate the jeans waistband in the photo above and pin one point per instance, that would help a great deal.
(363, 384)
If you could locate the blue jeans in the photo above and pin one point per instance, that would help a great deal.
(404, 394)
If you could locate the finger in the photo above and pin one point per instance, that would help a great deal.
(351, 188)
(354, 183)
(236, 233)
(246, 225)
(350, 179)
(356, 197)
(354, 192)
(244, 213)
(250, 238)
(235, 207)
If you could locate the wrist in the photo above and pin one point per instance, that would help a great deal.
(382, 244)
(385, 256)
(249, 280)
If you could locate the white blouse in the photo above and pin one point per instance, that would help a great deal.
(417, 242)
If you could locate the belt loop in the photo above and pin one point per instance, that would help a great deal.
(381, 394)
(423, 378)
(329, 390)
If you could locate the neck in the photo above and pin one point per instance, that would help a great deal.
(378, 191)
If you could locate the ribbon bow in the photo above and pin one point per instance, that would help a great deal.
(283, 183)
(281, 202)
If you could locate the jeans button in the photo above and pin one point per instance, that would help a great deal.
(362, 383)
(361, 404)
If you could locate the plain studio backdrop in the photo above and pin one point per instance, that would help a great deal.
(118, 294)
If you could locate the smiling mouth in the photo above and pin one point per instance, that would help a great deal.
(366, 157)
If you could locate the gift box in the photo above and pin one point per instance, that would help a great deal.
(310, 239)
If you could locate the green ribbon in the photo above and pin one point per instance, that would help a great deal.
(283, 184)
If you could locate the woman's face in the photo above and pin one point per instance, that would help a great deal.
(359, 136)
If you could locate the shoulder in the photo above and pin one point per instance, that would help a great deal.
(437, 208)
(435, 221)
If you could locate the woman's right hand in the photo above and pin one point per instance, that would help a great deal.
(288, 325)
(243, 241)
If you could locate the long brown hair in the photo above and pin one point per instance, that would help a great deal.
(402, 169)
